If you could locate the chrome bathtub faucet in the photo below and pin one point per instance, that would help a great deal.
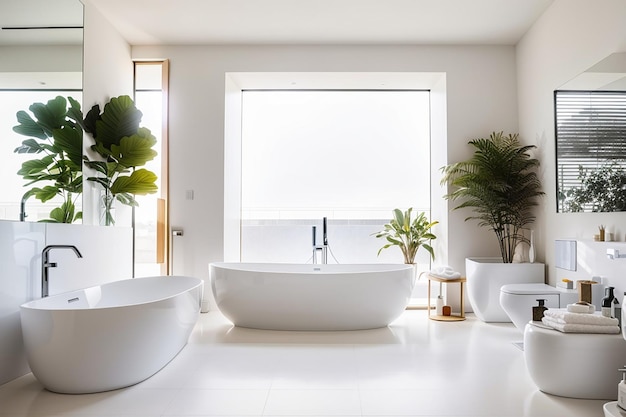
(45, 264)
(323, 248)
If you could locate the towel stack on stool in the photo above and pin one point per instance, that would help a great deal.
(573, 320)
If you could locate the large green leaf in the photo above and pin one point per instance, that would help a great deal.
(120, 118)
(28, 126)
(98, 166)
(105, 182)
(64, 213)
(51, 115)
(46, 193)
(35, 165)
(29, 146)
(70, 141)
(140, 182)
(135, 150)
(74, 112)
(89, 123)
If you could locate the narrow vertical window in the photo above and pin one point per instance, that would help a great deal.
(151, 217)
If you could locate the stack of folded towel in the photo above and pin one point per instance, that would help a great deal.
(569, 322)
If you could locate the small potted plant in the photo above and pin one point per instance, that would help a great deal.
(408, 234)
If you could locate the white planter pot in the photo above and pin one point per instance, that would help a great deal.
(485, 277)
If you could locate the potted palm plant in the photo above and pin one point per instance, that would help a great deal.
(408, 234)
(499, 183)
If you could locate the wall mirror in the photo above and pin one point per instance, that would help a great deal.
(41, 44)
(590, 130)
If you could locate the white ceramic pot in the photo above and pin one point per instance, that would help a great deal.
(485, 277)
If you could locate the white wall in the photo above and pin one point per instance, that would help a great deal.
(48, 58)
(108, 73)
(20, 244)
(481, 97)
(571, 36)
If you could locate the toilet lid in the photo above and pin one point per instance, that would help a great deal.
(529, 289)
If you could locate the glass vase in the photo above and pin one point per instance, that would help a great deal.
(531, 248)
(107, 209)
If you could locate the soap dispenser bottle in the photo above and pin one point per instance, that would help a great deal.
(607, 301)
(439, 306)
(539, 309)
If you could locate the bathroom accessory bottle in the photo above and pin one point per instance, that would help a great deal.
(531, 248)
(539, 309)
(616, 311)
(607, 301)
(439, 306)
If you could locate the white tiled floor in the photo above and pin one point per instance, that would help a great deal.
(415, 367)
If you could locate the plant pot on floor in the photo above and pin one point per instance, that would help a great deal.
(485, 277)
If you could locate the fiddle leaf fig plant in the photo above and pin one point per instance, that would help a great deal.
(55, 133)
(408, 234)
(123, 146)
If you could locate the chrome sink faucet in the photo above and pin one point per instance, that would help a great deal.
(45, 264)
(323, 248)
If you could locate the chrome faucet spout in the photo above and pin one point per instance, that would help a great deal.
(23, 214)
(45, 264)
(323, 248)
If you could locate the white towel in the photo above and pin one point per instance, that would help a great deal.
(581, 308)
(445, 272)
(565, 317)
(580, 328)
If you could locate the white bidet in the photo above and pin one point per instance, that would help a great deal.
(575, 365)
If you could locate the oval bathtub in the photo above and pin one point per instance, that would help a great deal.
(311, 297)
(109, 336)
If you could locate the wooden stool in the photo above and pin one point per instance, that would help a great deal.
(453, 317)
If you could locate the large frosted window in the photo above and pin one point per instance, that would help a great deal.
(350, 156)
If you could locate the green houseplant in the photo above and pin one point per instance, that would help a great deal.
(500, 184)
(408, 234)
(123, 146)
(55, 133)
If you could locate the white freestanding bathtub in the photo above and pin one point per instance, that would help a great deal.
(109, 336)
(311, 297)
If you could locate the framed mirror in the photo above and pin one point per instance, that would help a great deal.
(590, 130)
(41, 44)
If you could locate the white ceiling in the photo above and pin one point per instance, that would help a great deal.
(435, 22)
(322, 21)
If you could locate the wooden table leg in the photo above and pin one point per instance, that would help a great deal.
(462, 300)
(428, 298)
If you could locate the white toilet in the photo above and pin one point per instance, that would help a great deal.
(517, 300)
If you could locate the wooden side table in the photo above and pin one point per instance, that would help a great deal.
(453, 317)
